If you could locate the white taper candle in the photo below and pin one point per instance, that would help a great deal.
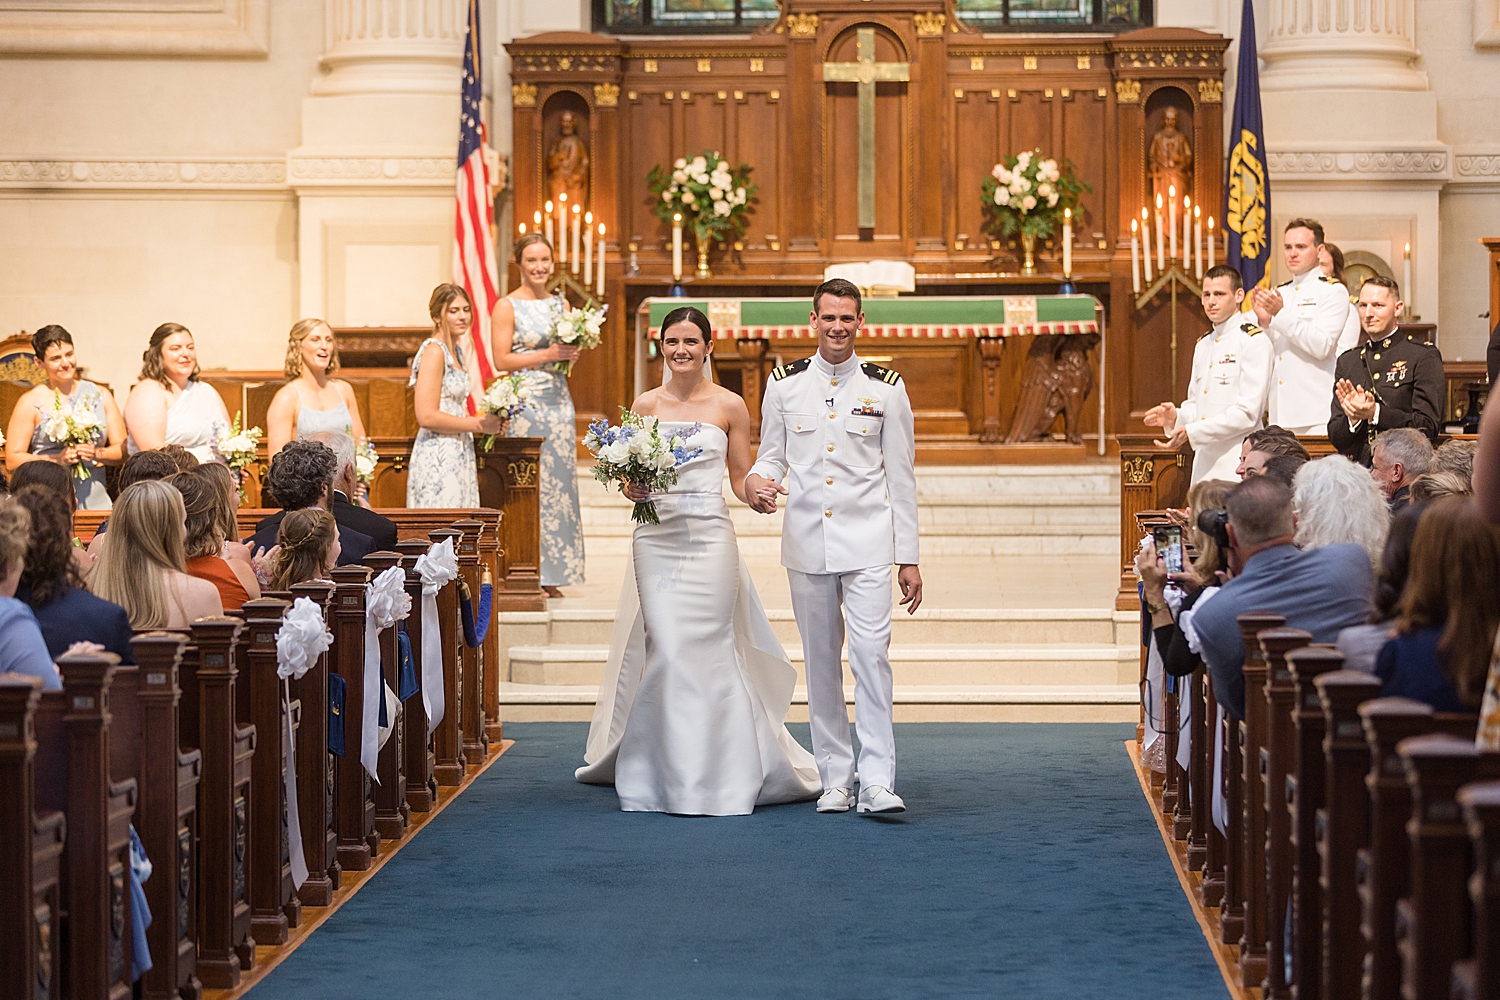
(1135, 258)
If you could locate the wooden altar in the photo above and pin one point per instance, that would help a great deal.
(969, 100)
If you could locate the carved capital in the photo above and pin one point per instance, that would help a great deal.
(1211, 91)
(930, 25)
(802, 25)
(606, 95)
(1128, 91)
(523, 95)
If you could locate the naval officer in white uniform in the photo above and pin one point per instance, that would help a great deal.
(1305, 319)
(1227, 394)
(842, 430)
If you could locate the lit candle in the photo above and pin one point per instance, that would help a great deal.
(577, 215)
(1146, 239)
(588, 246)
(601, 260)
(1198, 241)
(521, 229)
(1210, 242)
(1411, 295)
(1067, 242)
(562, 227)
(1187, 222)
(1161, 248)
(550, 241)
(677, 246)
(1171, 222)
(1135, 258)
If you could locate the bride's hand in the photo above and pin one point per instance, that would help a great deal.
(635, 492)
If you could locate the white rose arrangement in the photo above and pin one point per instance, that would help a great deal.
(637, 452)
(713, 199)
(1027, 194)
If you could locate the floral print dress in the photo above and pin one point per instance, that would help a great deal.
(549, 415)
(443, 473)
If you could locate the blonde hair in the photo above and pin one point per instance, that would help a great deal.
(152, 367)
(1207, 494)
(293, 365)
(143, 545)
(15, 535)
(306, 538)
(1440, 483)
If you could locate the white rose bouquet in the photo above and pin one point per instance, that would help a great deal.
(366, 458)
(505, 397)
(581, 328)
(638, 452)
(1028, 193)
(72, 424)
(236, 447)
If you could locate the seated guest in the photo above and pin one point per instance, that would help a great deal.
(204, 504)
(1437, 484)
(138, 468)
(1390, 380)
(1336, 501)
(1282, 468)
(1361, 643)
(142, 566)
(49, 476)
(1449, 612)
(1456, 457)
(170, 405)
(22, 649)
(1261, 446)
(307, 548)
(1397, 457)
(229, 508)
(1197, 583)
(180, 456)
(1321, 591)
(53, 587)
(66, 392)
(345, 483)
(301, 476)
(312, 401)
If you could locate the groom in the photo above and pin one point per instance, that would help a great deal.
(843, 429)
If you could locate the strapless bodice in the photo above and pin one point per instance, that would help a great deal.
(705, 472)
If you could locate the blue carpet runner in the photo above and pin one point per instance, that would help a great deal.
(1028, 865)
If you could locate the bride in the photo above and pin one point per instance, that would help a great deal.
(691, 710)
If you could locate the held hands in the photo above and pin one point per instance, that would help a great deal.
(1266, 304)
(1358, 402)
(910, 579)
(761, 496)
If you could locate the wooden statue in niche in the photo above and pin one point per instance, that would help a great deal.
(1171, 162)
(568, 164)
(1057, 379)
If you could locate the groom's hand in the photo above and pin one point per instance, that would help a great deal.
(761, 493)
(910, 579)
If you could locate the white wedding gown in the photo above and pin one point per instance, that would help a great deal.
(692, 705)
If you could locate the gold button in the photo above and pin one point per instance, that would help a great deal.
(831, 416)
(828, 513)
(1377, 357)
(799, 427)
(1280, 382)
(830, 447)
(863, 429)
(833, 381)
(829, 481)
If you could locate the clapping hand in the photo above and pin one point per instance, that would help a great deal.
(1266, 304)
(1165, 415)
(1358, 402)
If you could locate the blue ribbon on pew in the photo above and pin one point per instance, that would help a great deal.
(407, 679)
(338, 692)
(474, 634)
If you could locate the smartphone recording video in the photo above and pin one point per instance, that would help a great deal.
(1169, 546)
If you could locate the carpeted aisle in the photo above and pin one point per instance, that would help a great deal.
(1027, 866)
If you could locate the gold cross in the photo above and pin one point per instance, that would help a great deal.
(866, 72)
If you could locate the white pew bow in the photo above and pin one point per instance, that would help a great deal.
(437, 567)
(386, 602)
(301, 639)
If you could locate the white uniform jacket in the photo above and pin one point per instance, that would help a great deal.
(1227, 395)
(1305, 338)
(845, 435)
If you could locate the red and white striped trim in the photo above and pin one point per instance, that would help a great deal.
(903, 331)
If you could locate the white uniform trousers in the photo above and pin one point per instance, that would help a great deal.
(865, 596)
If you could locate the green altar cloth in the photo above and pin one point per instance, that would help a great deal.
(910, 316)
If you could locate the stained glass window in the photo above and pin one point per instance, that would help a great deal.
(1034, 15)
(676, 16)
(631, 17)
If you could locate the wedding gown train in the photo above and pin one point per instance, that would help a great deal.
(691, 709)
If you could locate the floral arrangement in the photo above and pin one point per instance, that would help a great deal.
(236, 446)
(1027, 194)
(638, 452)
(366, 458)
(581, 328)
(713, 200)
(72, 424)
(505, 397)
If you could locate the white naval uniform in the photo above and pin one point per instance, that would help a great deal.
(844, 434)
(1305, 337)
(1226, 396)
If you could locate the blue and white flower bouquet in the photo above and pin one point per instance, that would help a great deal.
(505, 397)
(637, 452)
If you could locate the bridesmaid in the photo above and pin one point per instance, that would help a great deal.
(443, 472)
(521, 332)
(169, 405)
(312, 401)
(26, 439)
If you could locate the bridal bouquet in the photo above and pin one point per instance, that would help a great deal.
(505, 397)
(581, 328)
(73, 424)
(366, 458)
(236, 447)
(638, 452)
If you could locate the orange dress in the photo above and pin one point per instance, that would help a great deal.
(217, 572)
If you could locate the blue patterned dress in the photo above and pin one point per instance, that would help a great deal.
(443, 473)
(90, 491)
(549, 414)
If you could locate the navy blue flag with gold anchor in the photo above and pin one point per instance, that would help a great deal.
(1247, 198)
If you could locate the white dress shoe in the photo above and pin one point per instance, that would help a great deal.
(835, 800)
(874, 799)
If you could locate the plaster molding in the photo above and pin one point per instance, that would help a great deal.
(310, 170)
(1487, 24)
(1337, 165)
(233, 29)
(1476, 166)
(77, 173)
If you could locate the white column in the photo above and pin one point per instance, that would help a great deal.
(1341, 45)
(379, 47)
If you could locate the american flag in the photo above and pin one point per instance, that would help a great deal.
(473, 249)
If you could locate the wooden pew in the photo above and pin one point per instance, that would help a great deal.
(447, 738)
(1479, 977)
(1305, 794)
(1216, 845)
(1243, 919)
(392, 813)
(509, 482)
(315, 766)
(31, 848)
(144, 744)
(421, 786)
(354, 812)
(1200, 773)
(475, 736)
(491, 553)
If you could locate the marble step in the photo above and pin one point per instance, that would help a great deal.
(1003, 664)
(912, 703)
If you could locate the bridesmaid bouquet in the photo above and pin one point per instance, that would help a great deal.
(236, 447)
(581, 328)
(505, 397)
(638, 452)
(366, 458)
(73, 424)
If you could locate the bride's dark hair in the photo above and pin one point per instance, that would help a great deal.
(687, 314)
